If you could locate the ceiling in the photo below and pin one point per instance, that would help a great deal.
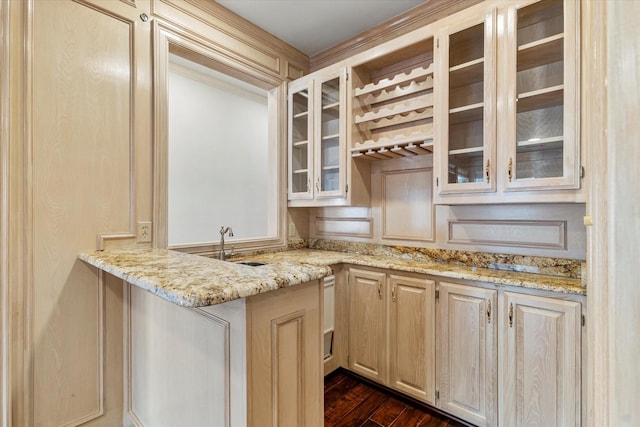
(312, 26)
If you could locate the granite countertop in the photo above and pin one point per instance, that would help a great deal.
(197, 281)
(500, 277)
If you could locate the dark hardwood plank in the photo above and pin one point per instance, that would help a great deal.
(341, 407)
(339, 391)
(410, 417)
(386, 414)
(363, 411)
(354, 402)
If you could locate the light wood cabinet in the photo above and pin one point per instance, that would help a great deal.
(392, 331)
(465, 102)
(284, 351)
(317, 129)
(367, 324)
(412, 337)
(541, 79)
(540, 374)
(507, 124)
(467, 357)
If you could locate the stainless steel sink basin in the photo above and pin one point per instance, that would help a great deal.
(251, 263)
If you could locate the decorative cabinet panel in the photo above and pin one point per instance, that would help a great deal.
(507, 125)
(467, 363)
(317, 130)
(540, 373)
(392, 331)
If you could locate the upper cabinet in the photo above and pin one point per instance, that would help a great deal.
(507, 105)
(541, 88)
(317, 125)
(465, 103)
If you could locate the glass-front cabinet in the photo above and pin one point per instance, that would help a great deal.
(507, 104)
(300, 139)
(465, 103)
(542, 109)
(317, 131)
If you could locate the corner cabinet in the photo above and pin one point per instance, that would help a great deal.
(317, 139)
(507, 124)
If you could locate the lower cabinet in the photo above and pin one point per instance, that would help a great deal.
(540, 349)
(486, 354)
(392, 331)
(468, 362)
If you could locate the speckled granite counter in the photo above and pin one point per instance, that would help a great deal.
(196, 281)
(499, 277)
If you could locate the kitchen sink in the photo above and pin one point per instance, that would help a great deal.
(251, 263)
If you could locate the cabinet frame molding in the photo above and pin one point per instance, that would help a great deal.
(170, 39)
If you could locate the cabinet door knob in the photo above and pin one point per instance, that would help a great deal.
(486, 172)
(511, 315)
(510, 169)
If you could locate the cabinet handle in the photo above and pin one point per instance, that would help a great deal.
(510, 169)
(489, 311)
(486, 172)
(511, 315)
(308, 185)
(393, 293)
(318, 185)
(379, 290)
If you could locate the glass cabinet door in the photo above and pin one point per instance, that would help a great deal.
(300, 124)
(542, 97)
(330, 135)
(466, 119)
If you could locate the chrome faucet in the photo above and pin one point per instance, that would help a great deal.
(224, 230)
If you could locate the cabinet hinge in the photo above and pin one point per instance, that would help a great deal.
(584, 320)
(581, 171)
(437, 394)
(437, 293)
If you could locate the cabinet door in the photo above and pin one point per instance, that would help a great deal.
(465, 94)
(330, 135)
(467, 353)
(541, 93)
(300, 131)
(367, 324)
(412, 337)
(540, 342)
(284, 330)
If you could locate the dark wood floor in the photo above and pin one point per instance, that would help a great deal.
(349, 401)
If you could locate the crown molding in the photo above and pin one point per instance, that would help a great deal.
(421, 15)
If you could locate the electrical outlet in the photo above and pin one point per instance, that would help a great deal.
(144, 232)
(292, 230)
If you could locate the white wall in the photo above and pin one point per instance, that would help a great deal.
(218, 163)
